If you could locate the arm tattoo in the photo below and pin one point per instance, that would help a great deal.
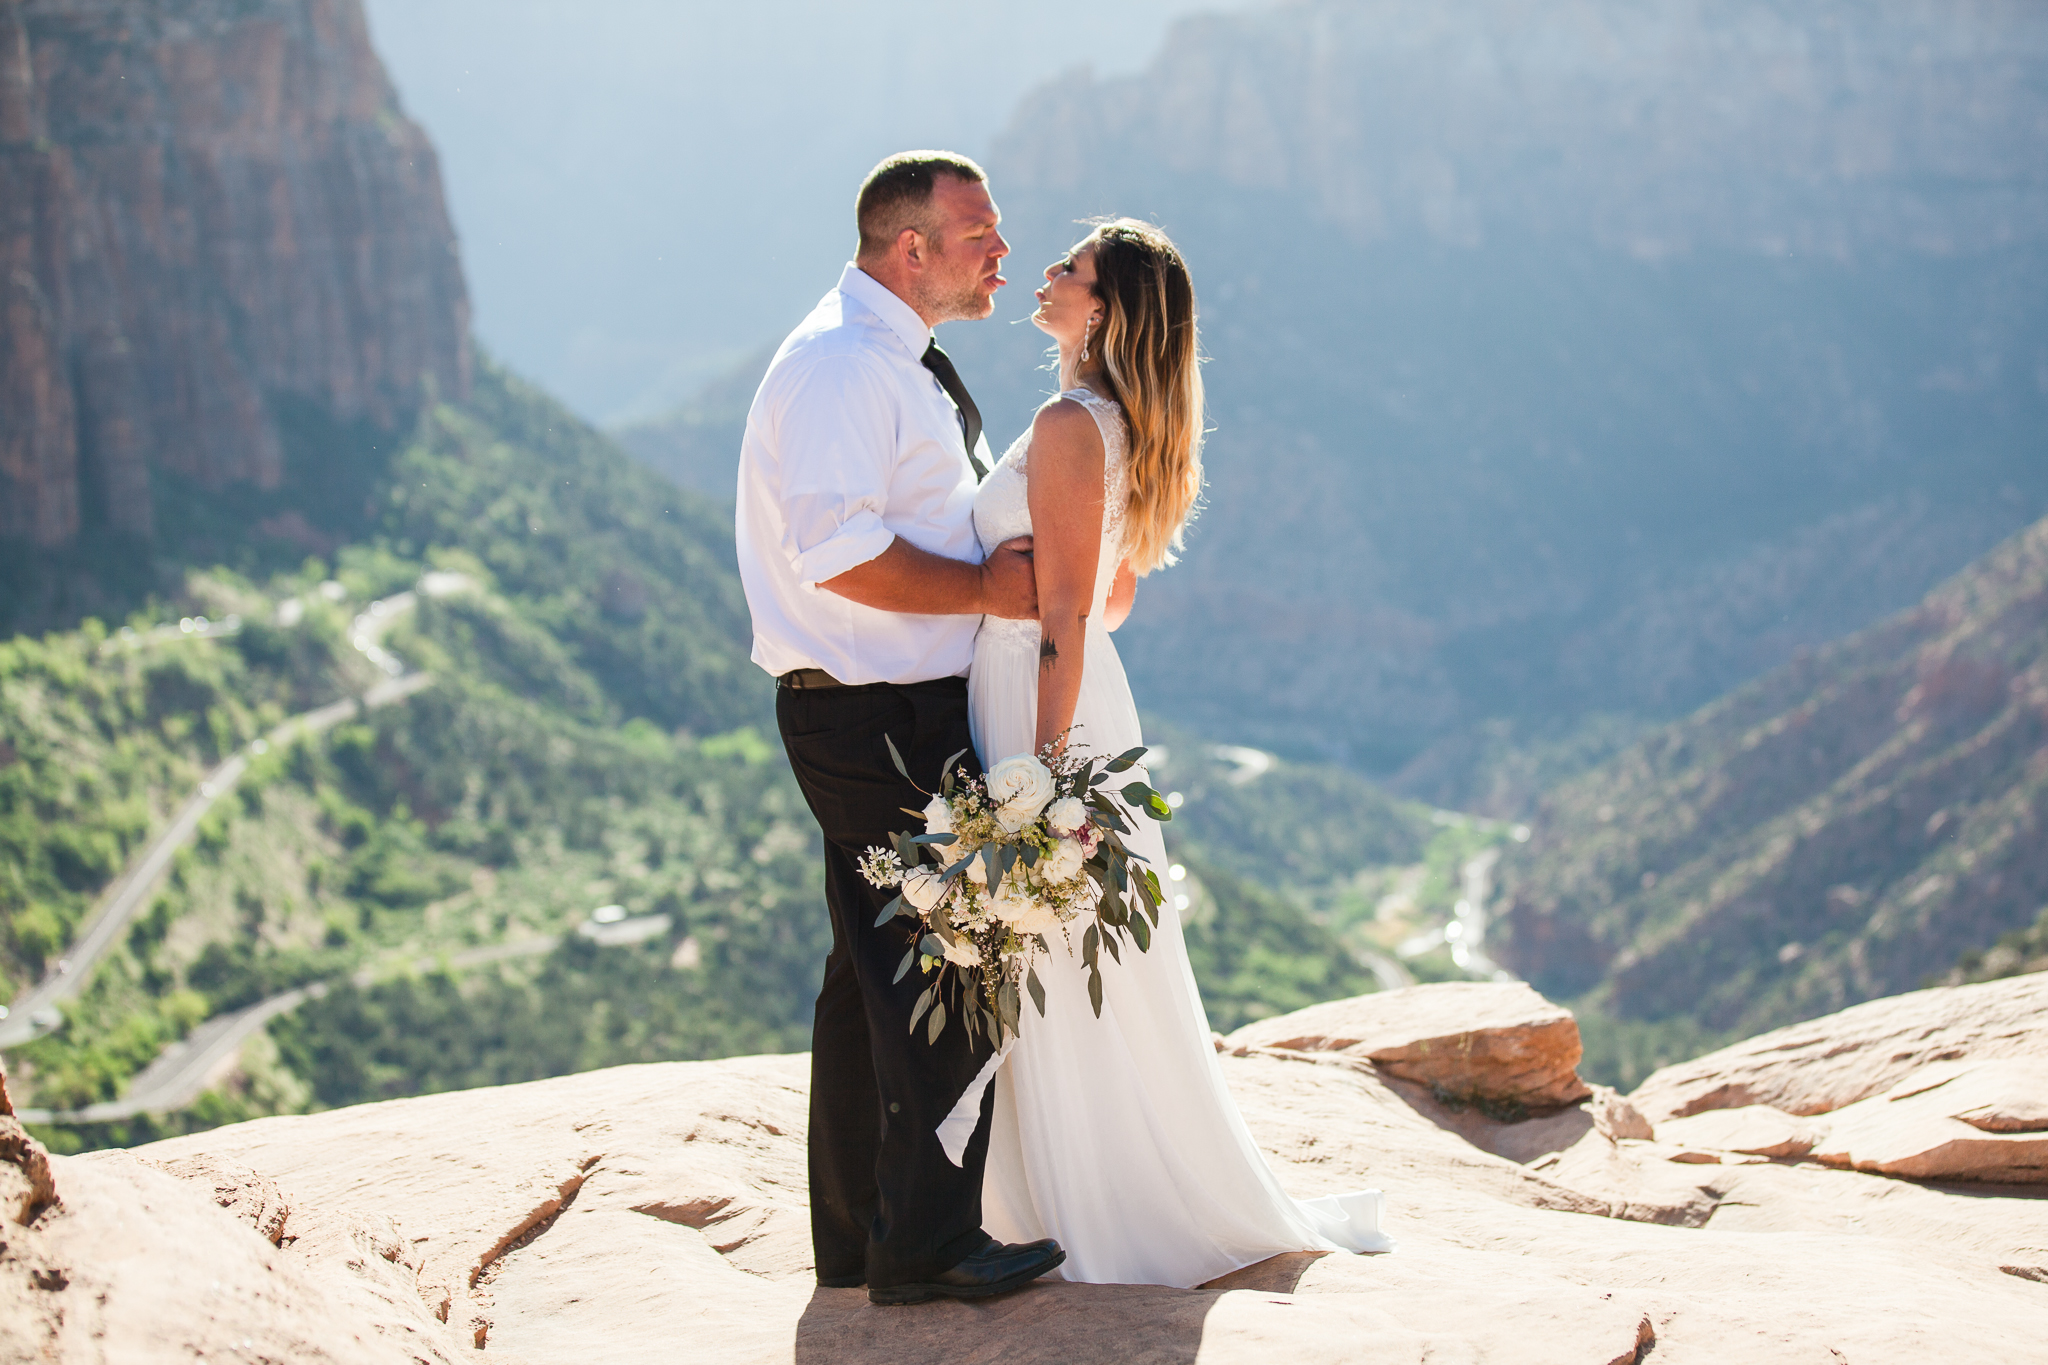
(1048, 653)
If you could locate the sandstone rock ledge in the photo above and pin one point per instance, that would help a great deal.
(657, 1213)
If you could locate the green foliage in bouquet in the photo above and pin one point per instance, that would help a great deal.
(1038, 844)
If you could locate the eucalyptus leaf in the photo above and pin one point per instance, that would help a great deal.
(947, 838)
(903, 967)
(931, 945)
(896, 907)
(1037, 991)
(1108, 812)
(897, 759)
(1141, 797)
(1089, 941)
(1142, 932)
(1095, 990)
(1029, 853)
(924, 1002)
(938, 1022)
(1111, 942)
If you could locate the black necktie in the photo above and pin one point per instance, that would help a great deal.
(941, 365)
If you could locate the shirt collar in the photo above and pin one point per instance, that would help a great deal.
(878, 299)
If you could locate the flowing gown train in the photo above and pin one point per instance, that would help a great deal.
(1117, 1135)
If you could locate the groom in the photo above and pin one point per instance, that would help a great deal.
(867, 583)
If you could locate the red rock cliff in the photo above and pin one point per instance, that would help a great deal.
(204, 205)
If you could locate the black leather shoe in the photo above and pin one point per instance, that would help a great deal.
(995, 1269)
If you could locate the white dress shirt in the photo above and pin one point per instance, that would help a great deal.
(852, 442)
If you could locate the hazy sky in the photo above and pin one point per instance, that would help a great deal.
(647, 190)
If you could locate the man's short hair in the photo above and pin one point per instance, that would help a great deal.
(898, 194)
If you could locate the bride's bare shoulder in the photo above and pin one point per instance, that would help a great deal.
(1065, 433)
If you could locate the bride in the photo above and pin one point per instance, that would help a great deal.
(1103, 481)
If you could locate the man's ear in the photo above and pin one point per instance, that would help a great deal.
(910, 243)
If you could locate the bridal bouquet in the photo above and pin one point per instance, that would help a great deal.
(1005, 860)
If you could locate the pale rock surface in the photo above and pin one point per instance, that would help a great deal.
(1825, 1064)
(138, 1265)
(1978, 1121)
(656, 1213)
(1494, 1043)
(1614, 1116)
(1754, 1129)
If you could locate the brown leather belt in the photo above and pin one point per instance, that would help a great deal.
(808, 679)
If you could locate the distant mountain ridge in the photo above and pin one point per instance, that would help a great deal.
(1566, 360)
(1840, 127)
(1846, 827)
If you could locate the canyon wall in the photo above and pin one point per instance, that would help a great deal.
(206, 207)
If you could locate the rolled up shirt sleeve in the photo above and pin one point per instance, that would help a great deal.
(837, 438)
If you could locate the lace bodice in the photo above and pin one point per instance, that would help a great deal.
(1002, 505)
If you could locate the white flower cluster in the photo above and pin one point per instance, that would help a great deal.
(882, 867)
(1019, 808)
(1006, 859)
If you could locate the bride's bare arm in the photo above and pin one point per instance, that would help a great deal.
(1123, 592)
(1066, 527)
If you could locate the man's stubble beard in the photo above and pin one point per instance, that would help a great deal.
(966, 303)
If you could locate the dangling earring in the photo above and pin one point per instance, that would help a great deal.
(1085, 332)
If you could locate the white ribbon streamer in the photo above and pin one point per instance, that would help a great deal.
(958, 1128)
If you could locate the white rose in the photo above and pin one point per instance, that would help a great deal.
(1063, 861)
(924, 887)
(1066, 815)
(1024, 912)
(1012, 903)
(961, 952)
(1019, 787)
(1039, 919)
(938, 816)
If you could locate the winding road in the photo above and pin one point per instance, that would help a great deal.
(188, 1068)
(36, 1011)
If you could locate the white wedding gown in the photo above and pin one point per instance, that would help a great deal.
(1117, 1135)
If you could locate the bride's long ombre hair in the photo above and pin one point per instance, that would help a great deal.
(1149, 349)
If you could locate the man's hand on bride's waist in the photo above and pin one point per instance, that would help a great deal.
(1009, 584)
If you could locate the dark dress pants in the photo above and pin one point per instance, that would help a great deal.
(885, 1200)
